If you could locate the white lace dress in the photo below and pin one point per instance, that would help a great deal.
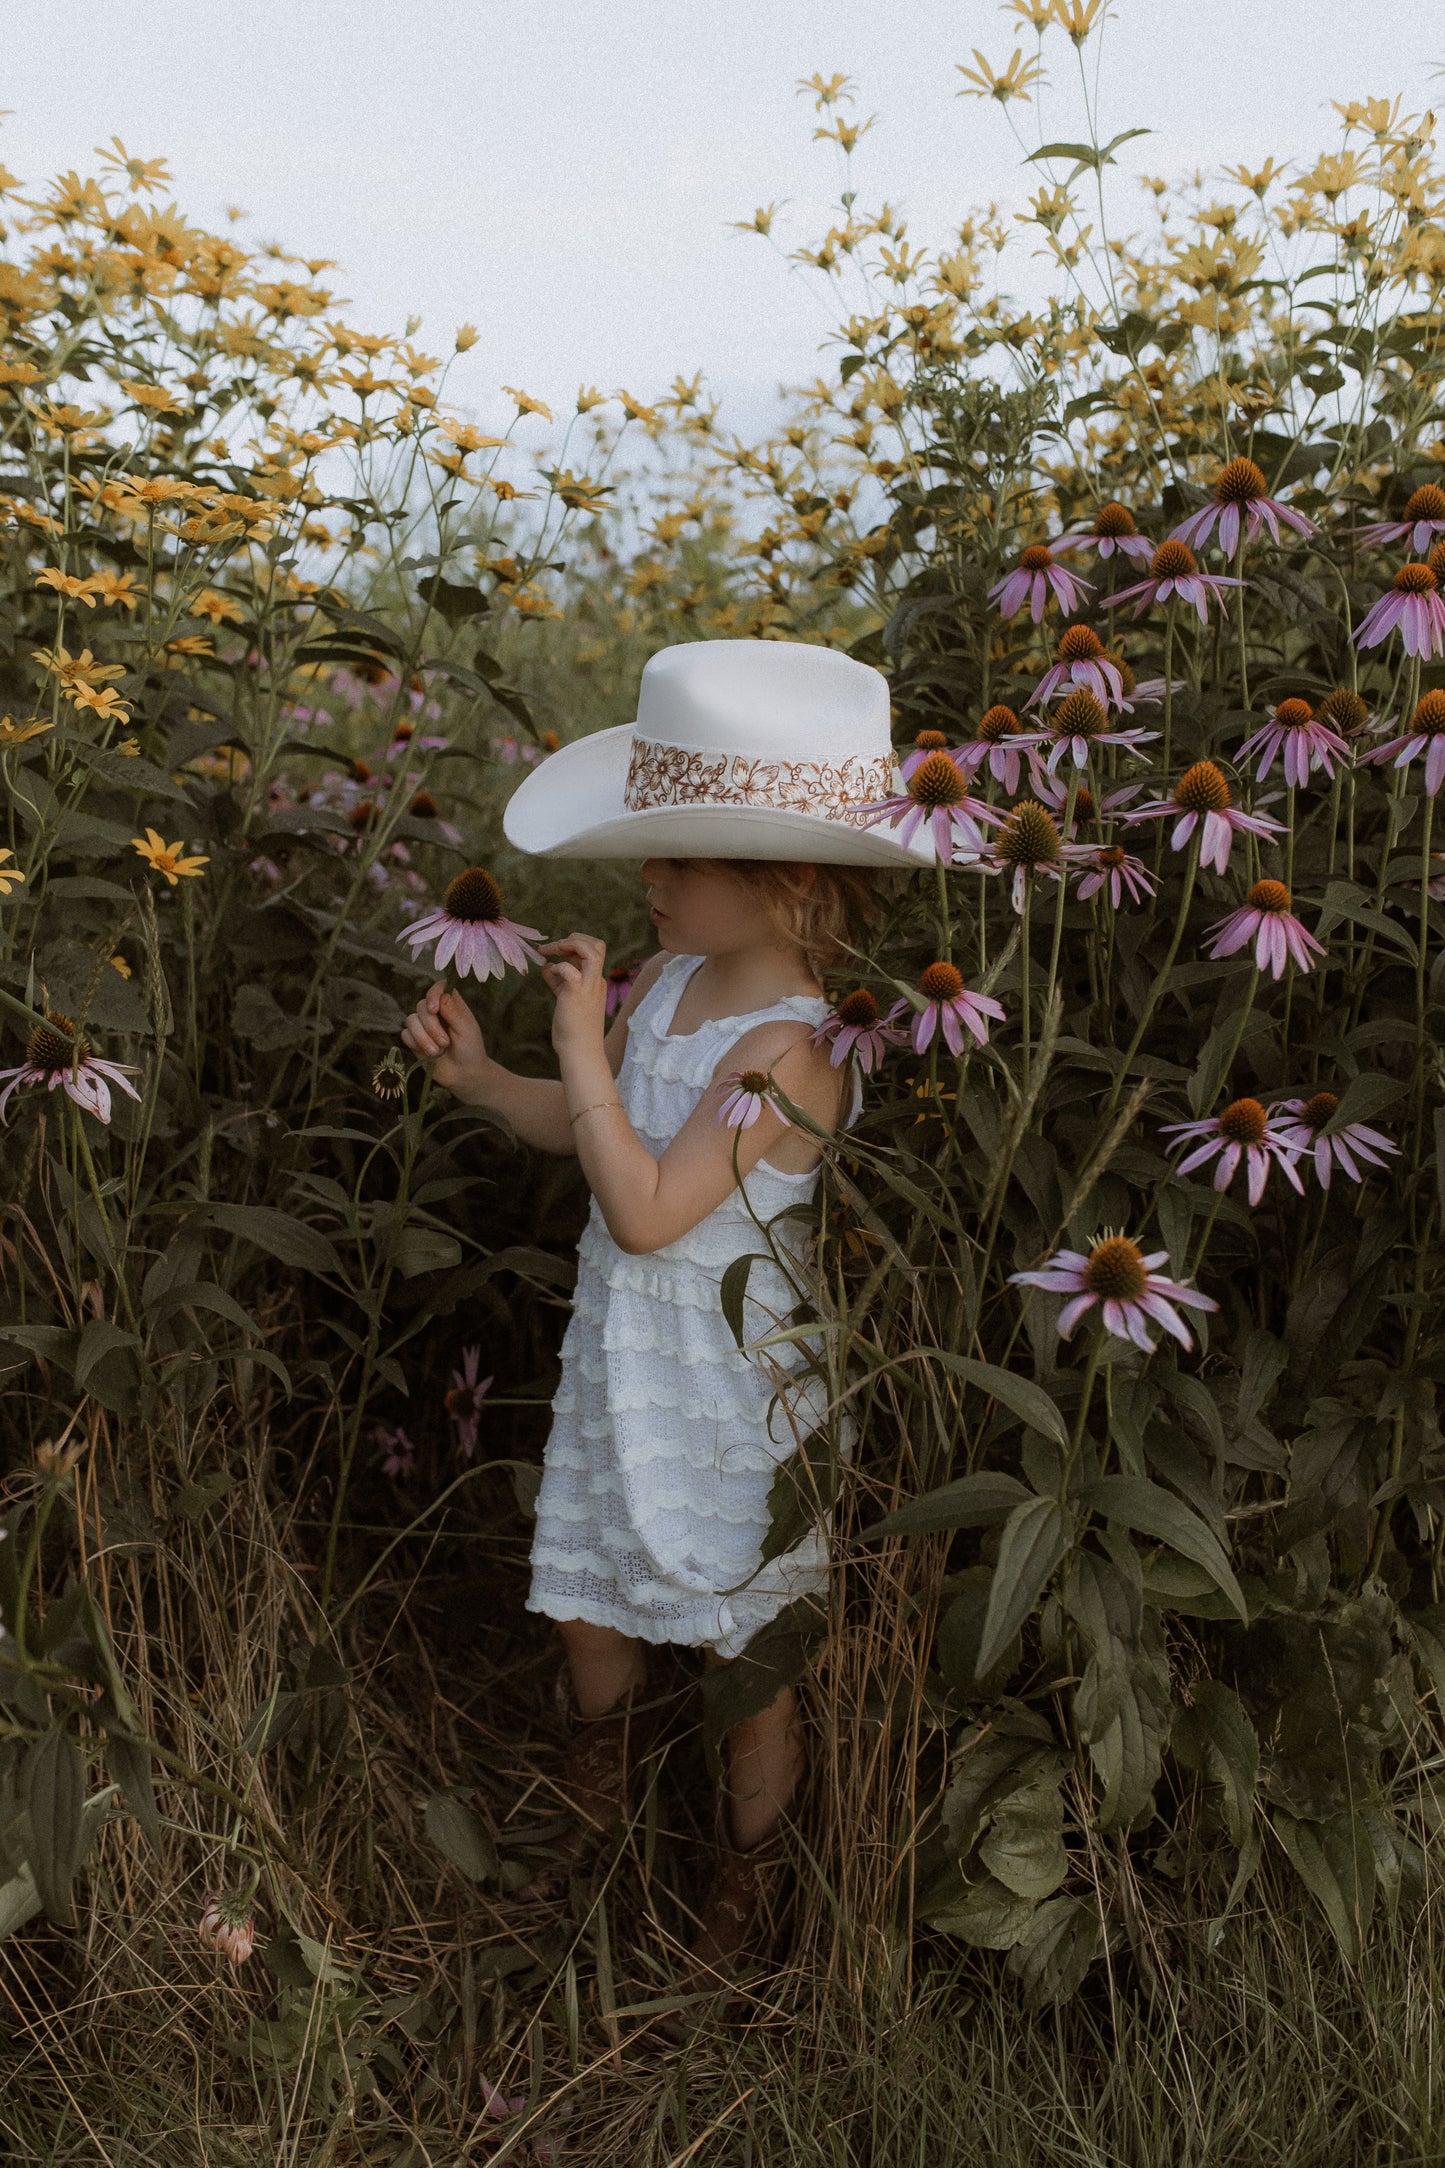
(653, 1502)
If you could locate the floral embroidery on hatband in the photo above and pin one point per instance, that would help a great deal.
(840, 790)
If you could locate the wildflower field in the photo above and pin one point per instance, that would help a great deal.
(1127, 1711)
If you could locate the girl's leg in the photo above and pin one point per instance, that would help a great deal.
(605, 1664)
(764, 1767)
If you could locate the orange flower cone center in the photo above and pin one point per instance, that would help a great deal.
(1116, 1270)
(1268, 896)
(1080, 716)
(53, 1044)
(1322, 1108)
(1429, 714)
(1243, 1122)
(931, 741)
(858, 1009)
(1029, 837)
(423, 805)
(1240, 483)
(1416, 580)
(753, 1080)
(937, 782)
(1114, 519)
(1202, 789)
(473, 895)
(1036, 558)
(1078, 644)
(1173, 561)
(1427, 502)
(998, 722)
(1294, 714)
(1344, 710)
(941, 982)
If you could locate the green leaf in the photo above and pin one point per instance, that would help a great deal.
(987, 1916)
(1035, 1537)
(55, 1796)
(130, 1764)
(133, 772)
(204, 1295)
(279, 1234)
(1024, 1847)
(98, 1339)
(1050, 1961)
(804, 1488)
(1364, 1097)
(776, 1656)
(1344, 900)
(1134, 1502)
(734, 1289)
(461, 1837)
(424, 1249)
(258, 1018)
(1311, 1862)
(1021, 1396)
(1232, 1754)
(974, 1501)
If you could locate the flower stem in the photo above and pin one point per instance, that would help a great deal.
(1161, 977)
(1026, 990)
(945, 926)
(1239, 619)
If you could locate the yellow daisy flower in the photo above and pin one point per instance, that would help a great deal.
(166, 857)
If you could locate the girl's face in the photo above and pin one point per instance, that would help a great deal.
(701, 910)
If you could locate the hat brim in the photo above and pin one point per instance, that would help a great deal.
(572, 806)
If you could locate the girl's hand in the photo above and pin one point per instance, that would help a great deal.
(443, 1030)
(576, 977)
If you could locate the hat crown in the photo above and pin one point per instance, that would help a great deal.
(783, 698)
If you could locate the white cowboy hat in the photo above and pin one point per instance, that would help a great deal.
(741, 749)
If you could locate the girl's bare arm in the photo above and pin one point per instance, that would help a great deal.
(443, 1031)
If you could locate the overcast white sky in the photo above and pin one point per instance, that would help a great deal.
(562, 172)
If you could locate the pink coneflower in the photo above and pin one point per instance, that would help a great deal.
(1345, 711)
(1113, 868)
(1305, 740)
(937, 794)
(1089, 811)
(1266, 919)
(1082, 660)
(927, 743)
(856, 1027)
(1080, 722)
(1424, 517)
(998, 741)
(226, 1924)
(1426, 735)
(1244, 1131)
(620, 981)
(1202, 794)
(1034, 578)
(1133, 1292)
(54, 1055)
(1241, 499)
(397, 1449)
(1174, 570)
(745, 1095)
(1414, 604)
(464, 1399)
(470, 927)
(1113, 529)
(1342, 1147)
(1028, 845)
(947, 1008)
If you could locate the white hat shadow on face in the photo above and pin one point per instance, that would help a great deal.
(741, 749)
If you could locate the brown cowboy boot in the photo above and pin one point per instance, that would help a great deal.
(738, 1908)
(595, 1771)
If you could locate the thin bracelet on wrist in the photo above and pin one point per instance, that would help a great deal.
(595, 1107)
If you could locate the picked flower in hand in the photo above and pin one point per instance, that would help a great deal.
(745, 1094)
(471, 927)
(1116, 1273)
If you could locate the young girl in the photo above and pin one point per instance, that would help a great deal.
(666, 1436)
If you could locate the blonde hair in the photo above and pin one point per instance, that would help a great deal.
(823, 909)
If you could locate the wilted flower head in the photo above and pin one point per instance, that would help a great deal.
(1116, 1273)
(227, 1924)
(1246, 1131)
(1241, 502)
(54, 1055)
(1412, 603)
(471, 927)
(1266, 919)
(1425, 734)
(1304, 738)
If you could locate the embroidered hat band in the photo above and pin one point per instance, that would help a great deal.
(840, 790)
